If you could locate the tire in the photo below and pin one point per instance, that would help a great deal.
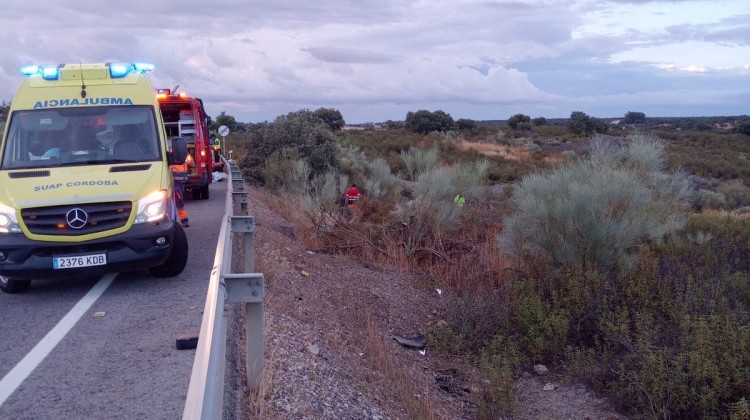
(14, 286)
(204, 192)
(195, 194)
(177, 259)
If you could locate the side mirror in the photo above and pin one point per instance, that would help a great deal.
(179, 151)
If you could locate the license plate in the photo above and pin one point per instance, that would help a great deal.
(79, 261)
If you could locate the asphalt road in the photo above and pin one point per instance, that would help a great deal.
(67, 353)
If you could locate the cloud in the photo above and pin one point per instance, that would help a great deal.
(376, 60)
(349, 55)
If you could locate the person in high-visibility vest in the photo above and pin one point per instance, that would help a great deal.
(179, 175)
(459, 200)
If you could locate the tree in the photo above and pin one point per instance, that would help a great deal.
(466, 124)
(634, 117)
(301, 134)
(539, 121)
(743, 127)
(517, 121)
(224, 119)
(424, 121)
(581, 123)
(394, 125)
(4, 109)
(578, 122)
(331, 117)
(598, 126)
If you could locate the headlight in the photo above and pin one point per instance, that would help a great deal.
(8, 221)
(152, 207)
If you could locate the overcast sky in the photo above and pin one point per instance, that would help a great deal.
(375, 60)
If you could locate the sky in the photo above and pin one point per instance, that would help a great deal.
(376, 60)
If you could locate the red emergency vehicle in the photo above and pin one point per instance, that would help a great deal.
(185, 117)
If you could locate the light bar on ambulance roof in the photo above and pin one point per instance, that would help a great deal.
(116, 70)
(47, 72)
(119, 70)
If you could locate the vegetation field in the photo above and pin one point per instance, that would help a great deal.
(617, 252)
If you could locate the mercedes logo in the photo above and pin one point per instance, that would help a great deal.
(76, 218)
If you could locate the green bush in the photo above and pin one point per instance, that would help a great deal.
(277, 167)
(588, 212)
(301, 131)
(417, 161)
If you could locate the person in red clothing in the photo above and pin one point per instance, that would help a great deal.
(352, 195)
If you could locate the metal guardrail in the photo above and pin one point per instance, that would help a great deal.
(205, 395)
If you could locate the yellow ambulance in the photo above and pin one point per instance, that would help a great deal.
(85, 185)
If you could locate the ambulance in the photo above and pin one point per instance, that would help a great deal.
(85, 185)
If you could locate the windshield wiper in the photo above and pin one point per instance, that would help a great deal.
(95, 162)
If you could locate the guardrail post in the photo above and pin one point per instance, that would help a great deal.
(244, 226)
(249, 288)
(238, 185)
(239, 202)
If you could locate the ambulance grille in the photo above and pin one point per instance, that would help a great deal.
(28, 174)
(129, 168)
(99, 217)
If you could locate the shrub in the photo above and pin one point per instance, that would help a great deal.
(277, 167)
(539, 121)
(743, 127)
(301, 131)
(424, 121)
(380, 183)
(707, 199)
(736, 192)
(519, 121)
(589, 211)
(465, 124)
(417, 161)
(331, 117)
(431, 213)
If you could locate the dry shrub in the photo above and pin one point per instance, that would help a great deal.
(374, 211)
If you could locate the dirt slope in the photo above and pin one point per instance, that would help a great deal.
(330, 354)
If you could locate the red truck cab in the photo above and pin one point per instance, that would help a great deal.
(185, 117)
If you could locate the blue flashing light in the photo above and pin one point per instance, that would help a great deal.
(30, 70)
(119, 70)
(47, 72)
(50, 72)
(143, 67)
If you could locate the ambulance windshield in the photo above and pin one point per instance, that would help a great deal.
(80, 136)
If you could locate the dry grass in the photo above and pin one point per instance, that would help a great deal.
(517, 153)
(256, 397)
(555, 159)
(742, 213)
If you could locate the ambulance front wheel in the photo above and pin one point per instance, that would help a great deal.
(14, 286)
(177, 259)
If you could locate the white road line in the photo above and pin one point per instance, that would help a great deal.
(23, 369)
